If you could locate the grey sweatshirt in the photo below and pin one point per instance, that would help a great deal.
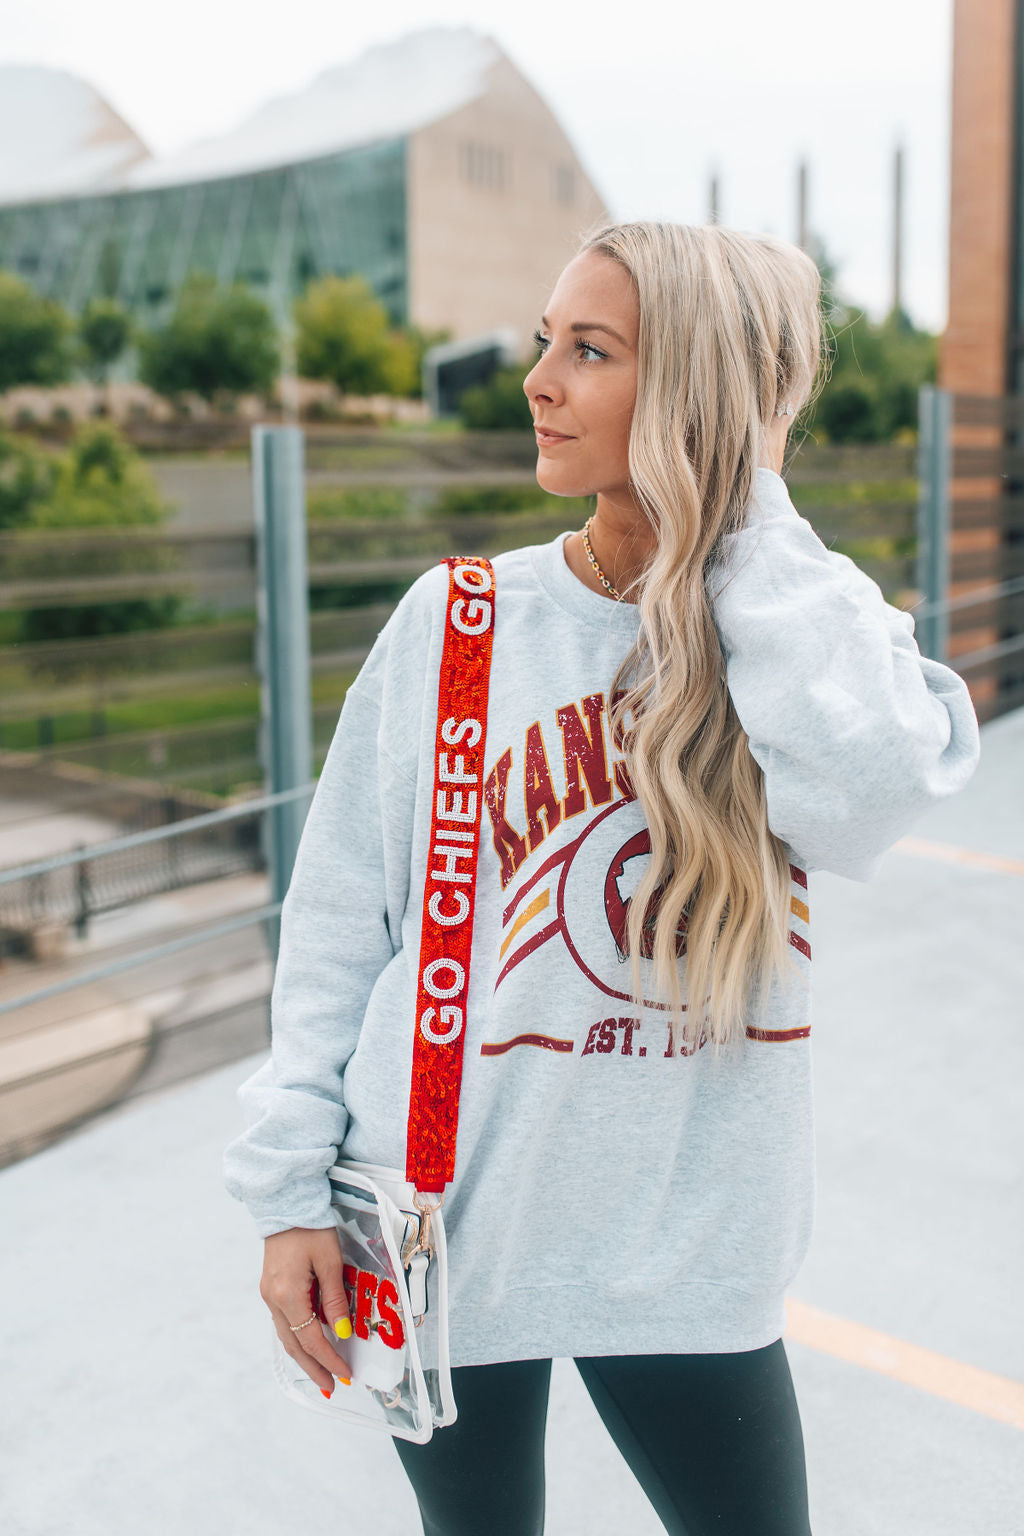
(608, 1198)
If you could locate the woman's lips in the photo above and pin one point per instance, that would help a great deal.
(547, 438)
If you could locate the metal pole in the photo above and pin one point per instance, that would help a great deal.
(934, 469)
(282, 602)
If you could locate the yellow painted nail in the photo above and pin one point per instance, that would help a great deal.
(343, 1327)
(346, 1381)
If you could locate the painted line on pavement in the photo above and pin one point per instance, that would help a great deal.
(950, 853)
(997, 1397)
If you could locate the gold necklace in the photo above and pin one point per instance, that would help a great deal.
(602, 578)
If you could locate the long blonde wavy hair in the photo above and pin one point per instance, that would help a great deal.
(731, 327)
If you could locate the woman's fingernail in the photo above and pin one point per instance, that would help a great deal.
(343, 1327)
(325, 1391)
(346, 1381)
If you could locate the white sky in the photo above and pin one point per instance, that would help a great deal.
(653, 93)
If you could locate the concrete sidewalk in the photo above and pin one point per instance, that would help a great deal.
(136, 1348)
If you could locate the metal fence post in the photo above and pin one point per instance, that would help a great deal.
(934, 469)
(282, 605)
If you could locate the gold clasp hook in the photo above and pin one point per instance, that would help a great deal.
(426, 1209)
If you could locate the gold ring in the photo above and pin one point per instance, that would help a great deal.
(296, 1326)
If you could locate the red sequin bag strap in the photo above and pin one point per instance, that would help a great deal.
(450, 887)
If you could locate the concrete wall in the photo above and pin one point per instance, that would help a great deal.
(496, 201)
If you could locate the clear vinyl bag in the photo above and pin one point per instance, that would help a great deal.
(398, 1301)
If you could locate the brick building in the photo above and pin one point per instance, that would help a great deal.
(982, 351)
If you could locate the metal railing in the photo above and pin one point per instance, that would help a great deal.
(90, 857)
(971, 542)
(899, 534)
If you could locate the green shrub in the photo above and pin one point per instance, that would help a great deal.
(368, 503)
(456, 500)
(498, 406)
(356, 594)
(26, 479)
(98, 482)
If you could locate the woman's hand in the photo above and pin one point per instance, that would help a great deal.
(291, 1261)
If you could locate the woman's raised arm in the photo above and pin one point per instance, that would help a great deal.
(856, 732)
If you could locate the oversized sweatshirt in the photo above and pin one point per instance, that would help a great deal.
(609, 1197)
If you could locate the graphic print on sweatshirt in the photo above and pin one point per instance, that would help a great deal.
(572, 847)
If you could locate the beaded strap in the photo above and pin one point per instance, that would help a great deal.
(450, 888)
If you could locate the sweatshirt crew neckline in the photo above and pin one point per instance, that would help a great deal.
(560, 582)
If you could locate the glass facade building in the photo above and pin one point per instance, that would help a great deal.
(273, 229)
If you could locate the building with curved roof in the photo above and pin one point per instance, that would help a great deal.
(430, 165)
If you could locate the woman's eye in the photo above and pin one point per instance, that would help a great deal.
(588, 352)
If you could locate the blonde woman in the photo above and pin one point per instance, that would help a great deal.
(693, 705)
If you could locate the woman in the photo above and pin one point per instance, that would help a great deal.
(693, 703)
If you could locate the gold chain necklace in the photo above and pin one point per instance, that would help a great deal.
(602, 578)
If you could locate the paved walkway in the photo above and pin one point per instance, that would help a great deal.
(136, 1349)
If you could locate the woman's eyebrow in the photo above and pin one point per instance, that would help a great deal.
(590, 325)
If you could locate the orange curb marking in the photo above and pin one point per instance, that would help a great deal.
(949, 853)
(997, 1397)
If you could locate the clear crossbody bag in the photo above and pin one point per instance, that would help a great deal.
(389, 1224)
(396, 1282)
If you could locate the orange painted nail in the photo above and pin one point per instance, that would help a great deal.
(325, 1391)
(346, 1381)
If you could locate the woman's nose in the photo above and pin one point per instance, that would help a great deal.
(540, 383)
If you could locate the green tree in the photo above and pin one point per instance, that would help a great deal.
(219, 342)
(105, 329)
(877, 369)
(499, 405)
(343, 333)
(36, 336)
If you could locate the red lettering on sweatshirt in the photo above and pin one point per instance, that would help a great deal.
(538, 791)
(585, 760)
(583, 748)
(510, 847)
(601, 1037)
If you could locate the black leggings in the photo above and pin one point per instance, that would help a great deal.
(713, 1440)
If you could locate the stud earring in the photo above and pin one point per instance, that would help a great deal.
(785, 410)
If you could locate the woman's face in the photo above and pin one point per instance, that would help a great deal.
(583, 385)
